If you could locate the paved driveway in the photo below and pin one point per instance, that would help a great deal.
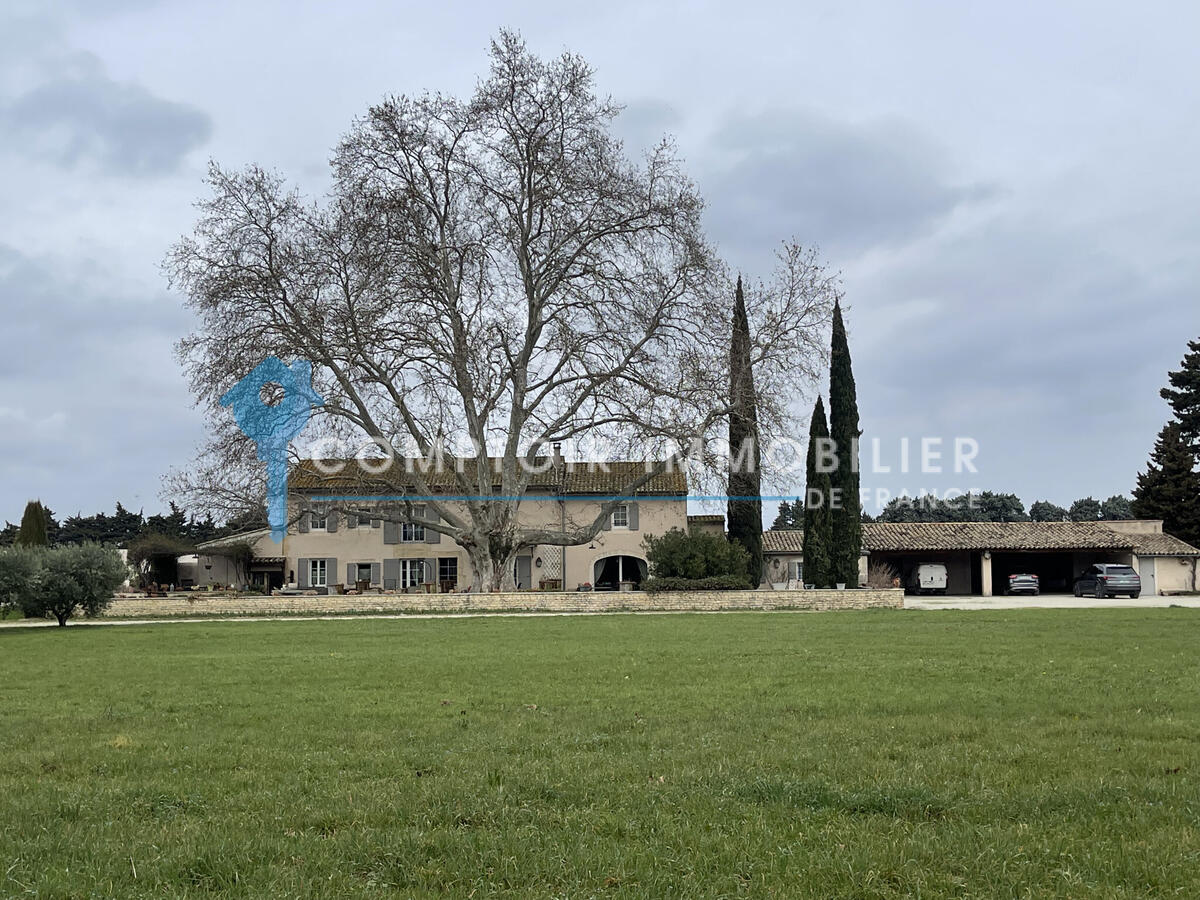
(1044, 601)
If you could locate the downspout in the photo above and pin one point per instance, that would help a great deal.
(562, 526)
(562, 510)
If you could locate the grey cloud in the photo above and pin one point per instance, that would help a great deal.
(122, 128)
(643, 123)
(1034, 339)
(92, 404)
(842, 186)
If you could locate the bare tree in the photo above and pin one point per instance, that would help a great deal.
(487, 277)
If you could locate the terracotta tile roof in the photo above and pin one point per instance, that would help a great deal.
(603, 478)
(706, 519)
(788, 541)
(1162, 545)
(229, 540)
(930, 536)
(993, 536)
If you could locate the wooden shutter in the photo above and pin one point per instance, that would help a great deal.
(302, 570)
(351, 520)
(391, 533)
(377, 523)
(633, 517)
(302, 526)
(375, 573)
(432, 537)
(330, 573)
(391, 574)
(349, 575)
(331, 522)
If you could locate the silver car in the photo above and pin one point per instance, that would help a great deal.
(1107, 580)
(1023, 583)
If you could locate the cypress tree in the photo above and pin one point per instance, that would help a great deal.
(1169, 489)
(1184, 397)
(843, 426)
(33, 526)
(745, 476)
(818, 526)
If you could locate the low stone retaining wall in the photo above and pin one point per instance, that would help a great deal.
(522, 601)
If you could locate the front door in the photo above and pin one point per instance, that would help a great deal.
(1146, 567)
(522, 569)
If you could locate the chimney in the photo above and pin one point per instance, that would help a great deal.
(557, 458)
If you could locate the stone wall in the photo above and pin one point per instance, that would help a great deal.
(526, 601)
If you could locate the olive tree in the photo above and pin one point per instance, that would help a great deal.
(486, 277)
(73, 579)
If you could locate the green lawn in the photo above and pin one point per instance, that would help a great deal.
(876, 754)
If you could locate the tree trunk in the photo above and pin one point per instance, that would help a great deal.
(62, 619)
(490, 573)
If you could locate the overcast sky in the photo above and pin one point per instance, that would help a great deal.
(1009, 189)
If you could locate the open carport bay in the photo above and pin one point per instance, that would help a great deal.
(1056, 571)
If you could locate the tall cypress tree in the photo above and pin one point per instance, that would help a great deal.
(843, 422)
(33, 526)
(1169, 489)
(1184, 396)
(745, 476)
(818, 525)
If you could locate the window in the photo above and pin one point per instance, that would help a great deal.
(319, 518)
(448, 568)
(799, 567)
(411, 572)
(620, 516)
(410, 532)
(363, 572)
(316, 573)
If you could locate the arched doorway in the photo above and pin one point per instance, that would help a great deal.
(608, 572)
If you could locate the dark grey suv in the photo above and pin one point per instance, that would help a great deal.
(1107, 580)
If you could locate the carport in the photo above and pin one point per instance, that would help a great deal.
(979, 556)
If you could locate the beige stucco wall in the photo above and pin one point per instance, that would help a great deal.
(209, 566)
(780, 567)
(364, 544)
(1172, 574)
(1135, 526)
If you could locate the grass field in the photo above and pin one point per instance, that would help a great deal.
(875, 754)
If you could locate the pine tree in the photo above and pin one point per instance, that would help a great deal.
(818, 524)
(1045, 511)
(1169, 489)
(790, 516)
(843, 422)
(745, 476)
(33, 526)
(1115, 508)
(1184, 396)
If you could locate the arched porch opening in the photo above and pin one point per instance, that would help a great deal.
(609, 572)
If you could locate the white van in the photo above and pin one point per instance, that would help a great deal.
(928, 578)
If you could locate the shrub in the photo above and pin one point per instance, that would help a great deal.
(737, 582)
(71, 579)
(882, 575)
(18, 570)
(698, 555)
